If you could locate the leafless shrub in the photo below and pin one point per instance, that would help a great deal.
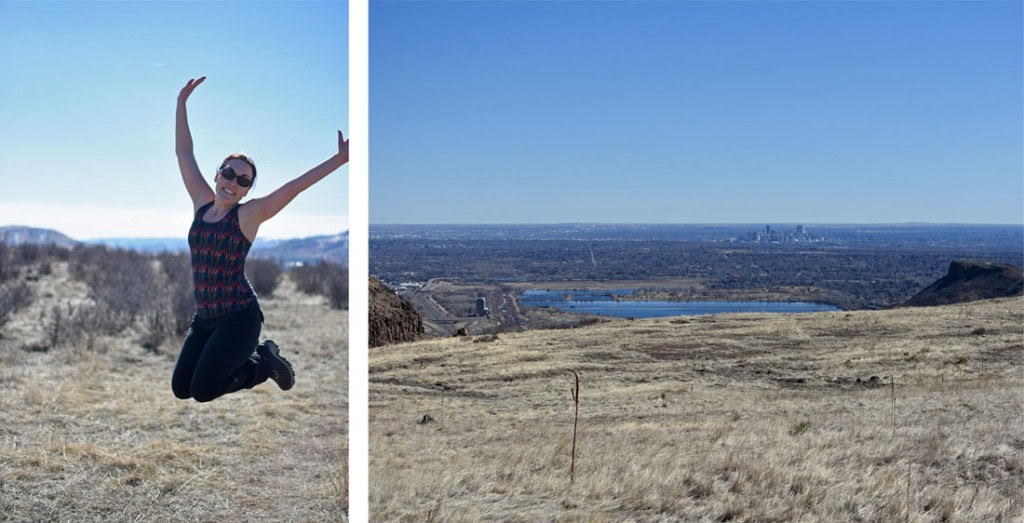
(122, 280)
(326, 278)
(13, 258)
(177, 271)
(158, 326)
(263, 275)
(95, 319)
(56, 327)
(128, 288)
(29, 253)
(14, 297)
(8, 269)
(57, 253)
(337, 288)
(306, 279)
(170, 314)
(69, 324)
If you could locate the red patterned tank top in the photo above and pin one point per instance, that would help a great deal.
(218, 264)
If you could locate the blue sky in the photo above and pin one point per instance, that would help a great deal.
(696, 112)
(87, 110)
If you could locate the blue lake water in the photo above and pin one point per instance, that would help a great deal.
(604, 303)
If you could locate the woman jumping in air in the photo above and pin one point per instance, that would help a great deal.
(221, 352)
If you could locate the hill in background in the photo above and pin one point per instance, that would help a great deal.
(969, 280)
(19, 235)
(306, 250)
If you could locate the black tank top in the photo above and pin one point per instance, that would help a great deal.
(218, 265)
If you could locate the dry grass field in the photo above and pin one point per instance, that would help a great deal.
(92, 432)
(897, 415)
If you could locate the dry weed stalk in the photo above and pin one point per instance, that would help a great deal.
(576, 420)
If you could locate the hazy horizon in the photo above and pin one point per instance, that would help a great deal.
(177, 238)
(763, 222)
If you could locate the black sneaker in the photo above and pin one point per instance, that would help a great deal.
(280, 370)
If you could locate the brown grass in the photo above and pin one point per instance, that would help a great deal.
(95, 434)
(747, 417)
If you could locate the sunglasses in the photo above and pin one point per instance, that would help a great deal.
(229, 173)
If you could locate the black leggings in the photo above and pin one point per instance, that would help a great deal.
(217, 356)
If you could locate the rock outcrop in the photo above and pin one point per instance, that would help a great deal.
(392, 319)
(969, 280)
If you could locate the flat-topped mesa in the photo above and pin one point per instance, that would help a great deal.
(970, 280)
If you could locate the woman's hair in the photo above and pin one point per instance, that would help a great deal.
(245, 158)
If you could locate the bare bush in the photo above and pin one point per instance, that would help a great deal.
(158, 325)
(129, 288)
(8, 269)
(263, 275)
(57, 328)
(92, 318)
(14, 297)
(325, 278)
(72, 324)
(170, 313)
(29, 253)
(14, 257)
(177, 271)
(337, 288)
(124, 281)
(306, 278)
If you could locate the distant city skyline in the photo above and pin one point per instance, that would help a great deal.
(88, 98)
(696, 112)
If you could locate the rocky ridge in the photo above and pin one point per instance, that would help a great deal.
(970, 280)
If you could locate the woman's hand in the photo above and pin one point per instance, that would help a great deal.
(189, 87)
(198, 190)
(342, 149)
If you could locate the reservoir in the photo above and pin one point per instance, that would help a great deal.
(604, 303)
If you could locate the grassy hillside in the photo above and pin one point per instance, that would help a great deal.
(92, 431)
(913, 414)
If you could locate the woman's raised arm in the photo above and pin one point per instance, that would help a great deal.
(262, 209)
(197, 188)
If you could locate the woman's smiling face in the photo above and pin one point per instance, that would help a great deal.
(230, 189)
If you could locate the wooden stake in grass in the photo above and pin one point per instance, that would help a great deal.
(576, 420)
(892, 384)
